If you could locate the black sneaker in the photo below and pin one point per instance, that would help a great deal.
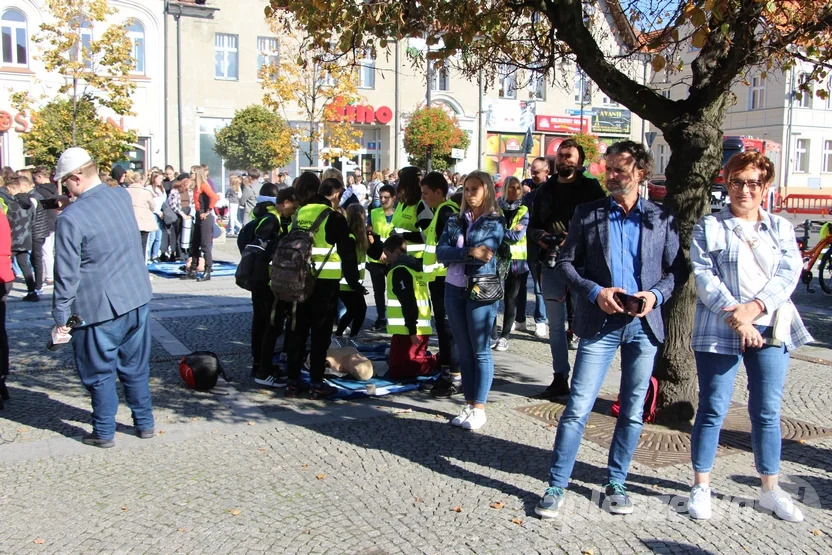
(4, 391)
(558, 388)
(617, 501)
(146, 434)
(95, 441)
(255, 369)
(322, 391)
(446, 388)
(276, 382)
(296, 388)
(32, 297)
(380, 325)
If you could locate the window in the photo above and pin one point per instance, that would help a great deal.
(827, 157)
(607, 101)
(757, 93)
(439, 80)
(582, 92)
(226, 57)
(662, 157)
(801, 156)
(666, 93)
(15, 39)
(805, 100)
(537, 86)
(366, 71)
(829, 94)
(507, 84)
(268, 52)
(135, 33)
(85, 51)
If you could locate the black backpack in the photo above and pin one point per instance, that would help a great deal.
(201, 370)
(293, 274)
(253, 270)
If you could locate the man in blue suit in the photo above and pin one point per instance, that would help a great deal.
(100, 276)
(622, 244)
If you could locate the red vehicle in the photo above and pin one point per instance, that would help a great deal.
(732, 145)
(656, 189)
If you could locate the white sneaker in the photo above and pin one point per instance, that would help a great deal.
(513, 327)
(476, 420)
(781, 503)
(462, 416)
(541, 331)
(523, 326)
(699, 503)
(502, 344)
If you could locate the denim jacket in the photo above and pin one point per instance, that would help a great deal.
(487, 230)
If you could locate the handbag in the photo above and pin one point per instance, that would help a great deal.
(484, 288)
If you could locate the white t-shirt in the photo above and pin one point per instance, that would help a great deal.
(751, 277)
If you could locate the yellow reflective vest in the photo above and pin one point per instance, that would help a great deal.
(306, 216)
(432, 268)
(518, 249)
(395, 317)
(405, 219)
(378, 219)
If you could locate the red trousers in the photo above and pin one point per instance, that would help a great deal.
(407, 360)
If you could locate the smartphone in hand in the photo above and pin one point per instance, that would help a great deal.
(632, 305)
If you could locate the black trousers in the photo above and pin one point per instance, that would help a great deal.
(5, 289)
(170, 240)
(313, 317)
(144, 235)
(510, 289)
(440, 318)
(22, 258)
(379, 288)
(356, 312)
(37, 261)
(202, 239)
(267, 324)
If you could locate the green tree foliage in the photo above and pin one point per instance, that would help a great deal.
(255, 138)
(433, 130)
(52, 133)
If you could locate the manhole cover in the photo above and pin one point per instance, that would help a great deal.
(659, 446)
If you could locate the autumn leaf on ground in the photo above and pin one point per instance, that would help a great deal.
(817, 533)
(320, 476)
(419, 500)
(457, 509)
(38, 541)
(181, 529)
(587, 551)
(262, 449)
(497, 505)
(305, 466)
(235, 512)
(160, 432)
(517, 521)
(251, 423)
(125, 509)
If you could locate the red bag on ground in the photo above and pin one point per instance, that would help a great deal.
(650, 401)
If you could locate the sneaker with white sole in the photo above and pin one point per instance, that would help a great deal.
(550, 503)
(338, 341)
(513, 327)
(699, 503)
(781, 503)
(502, 344)
(541, 331)
(462, 416)
(523, 326)
(272, 381)
(476, 420)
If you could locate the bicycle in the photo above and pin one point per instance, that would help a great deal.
(811, 255)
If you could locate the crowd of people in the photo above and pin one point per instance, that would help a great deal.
(442, 252)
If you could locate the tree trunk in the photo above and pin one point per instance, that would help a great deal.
(696, 144)
(74, 110)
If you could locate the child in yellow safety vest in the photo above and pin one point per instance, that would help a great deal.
(408, 313)
(354, 300)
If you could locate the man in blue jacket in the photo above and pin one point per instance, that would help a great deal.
(622, 260)
(101, 277)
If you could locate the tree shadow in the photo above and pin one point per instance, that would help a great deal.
(664, 546)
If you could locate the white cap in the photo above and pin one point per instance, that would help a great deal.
(72, 159)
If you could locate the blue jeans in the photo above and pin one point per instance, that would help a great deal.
(558, 343)
(766, 369)
(638, 352)
(471, 323)
(116, 347)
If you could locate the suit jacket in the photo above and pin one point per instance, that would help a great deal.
(584, 261)
(99, 264)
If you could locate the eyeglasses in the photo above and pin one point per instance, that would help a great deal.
(752, 184)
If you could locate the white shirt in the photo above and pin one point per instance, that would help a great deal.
(752, 280)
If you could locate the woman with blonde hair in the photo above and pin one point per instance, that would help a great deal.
(157, 189)
(354, 300)
(143, 206)
(468, 246)
(233, 197)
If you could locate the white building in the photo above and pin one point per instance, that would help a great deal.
(22, 70)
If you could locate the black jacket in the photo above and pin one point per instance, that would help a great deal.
(40, 225)
(338, 234)
(21, 214)
(49, 192)
(554, 204)
(404, 290)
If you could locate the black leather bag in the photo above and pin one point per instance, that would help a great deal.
(485, 288)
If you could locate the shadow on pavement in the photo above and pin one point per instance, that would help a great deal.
(664, 546)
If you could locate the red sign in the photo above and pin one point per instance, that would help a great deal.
(561, 124)
(363, 114)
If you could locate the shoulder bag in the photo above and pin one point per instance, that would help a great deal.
(484, 288)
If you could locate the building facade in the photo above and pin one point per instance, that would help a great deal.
(21, 70)
(796, 133)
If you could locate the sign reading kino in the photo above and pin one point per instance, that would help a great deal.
(363, 114)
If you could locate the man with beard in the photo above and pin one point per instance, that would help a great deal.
(540, 173)
(553, 208)
(622, 260)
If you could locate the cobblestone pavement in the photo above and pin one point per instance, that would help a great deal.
(243, 470)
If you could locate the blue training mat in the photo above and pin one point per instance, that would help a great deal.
(219, 269)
